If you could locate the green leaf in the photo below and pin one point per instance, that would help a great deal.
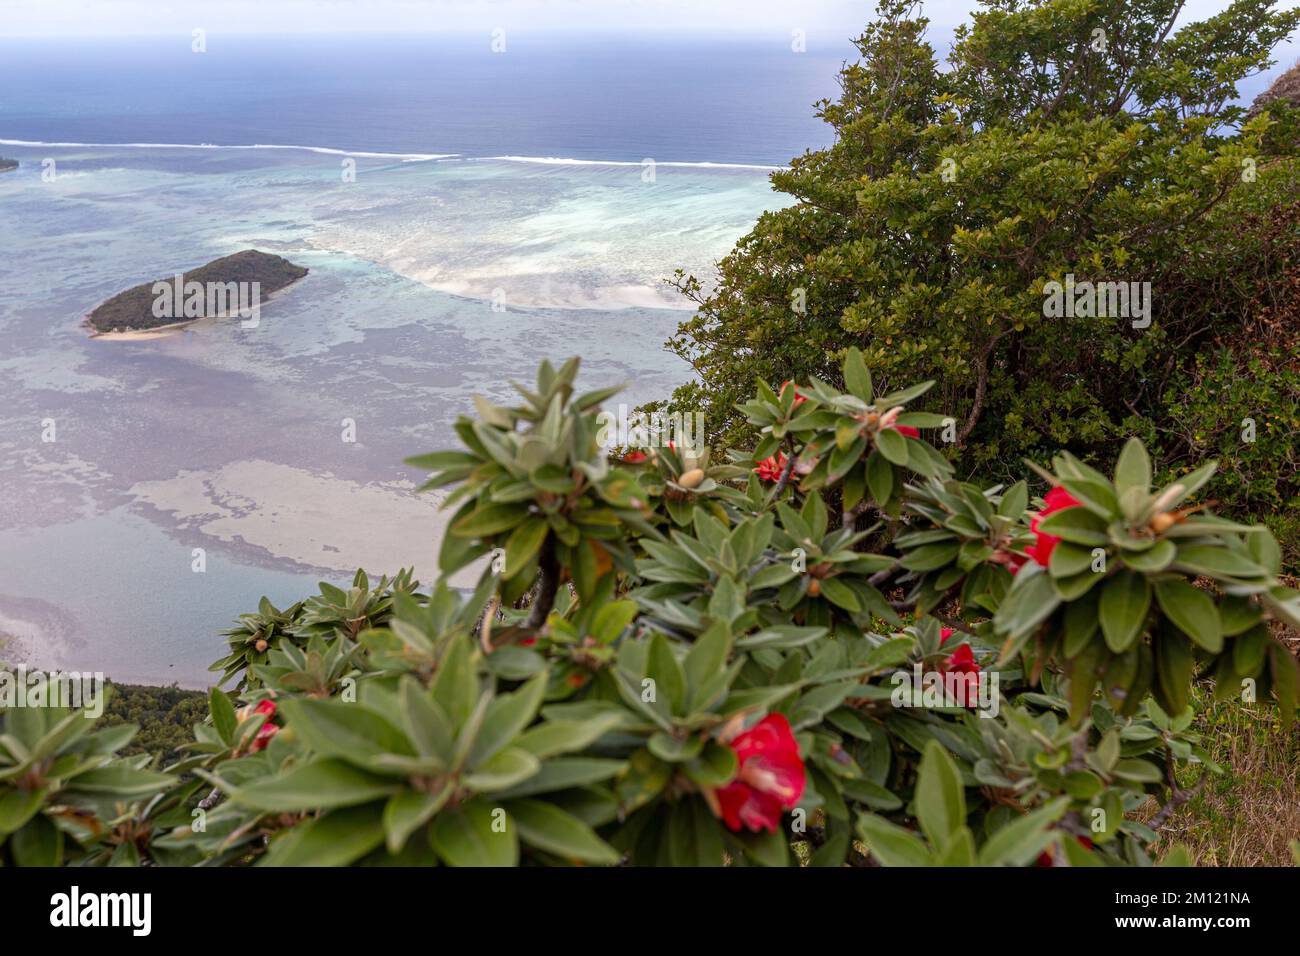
(566, 736)
(476, 834)
(857, 378)
(1133, 469)
(891, 844)
(1096, 496)
(1192, 611)
(1284, 670)
(549, 828)
(407, 810)
(1014, 500)
(523, 544)
(1125, 600)
(488, 520)
(1076, 525)
(318, 785)
(840, 594)
(1069, 559)
(931, 557)
(1031, 600)
(564, 773)
(350, 731)
(425, 723)
(694, 837)
(1158, 557)
(506, 716)
(223, 715)
(38, 844)
(455, 685)
(1174, 669)
(960, 850)
(673, 749)
(892, 445)
(1138, 771)
(17, 807)
(1020, 842)
(880, 478)
(940, 800)
(765, 849)
(1216, 561)
(664, 669)
(503, 770)
(121, 780)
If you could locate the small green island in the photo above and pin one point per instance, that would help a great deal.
(7, 164)
(234, 285)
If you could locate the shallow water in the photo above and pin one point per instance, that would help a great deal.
(430, 280)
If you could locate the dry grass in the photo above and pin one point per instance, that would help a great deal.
(1249, 815)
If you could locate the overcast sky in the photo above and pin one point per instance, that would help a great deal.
(837, 19)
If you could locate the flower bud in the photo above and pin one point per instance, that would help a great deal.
(1163, 522)
(692, 478)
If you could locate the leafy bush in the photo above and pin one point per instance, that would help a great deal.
(966, 680)
(1087, 142)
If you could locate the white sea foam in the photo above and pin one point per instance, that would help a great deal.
(562, 161)
(404, 157)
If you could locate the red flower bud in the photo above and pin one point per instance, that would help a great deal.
(264, 735)
(797, 397)
(962, 662)
(1058, 499)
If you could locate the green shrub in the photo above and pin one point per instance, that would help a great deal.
(1066, 140)
(971, 679)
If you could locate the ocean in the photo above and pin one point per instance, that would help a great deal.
(154, 489)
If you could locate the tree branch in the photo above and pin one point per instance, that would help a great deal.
(547, 585)
(981, 386)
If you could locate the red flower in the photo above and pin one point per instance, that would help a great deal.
(268, 730)
(770, 468)
(797, 397)
(1058, 499)
(770, 779)
(962, 662)
(266, 706)
(907, 430)
(944, 634)
(264, 735)
(634, 457)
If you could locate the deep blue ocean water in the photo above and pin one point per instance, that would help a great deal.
(615, 98)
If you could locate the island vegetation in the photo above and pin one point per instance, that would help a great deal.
(224, 287)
